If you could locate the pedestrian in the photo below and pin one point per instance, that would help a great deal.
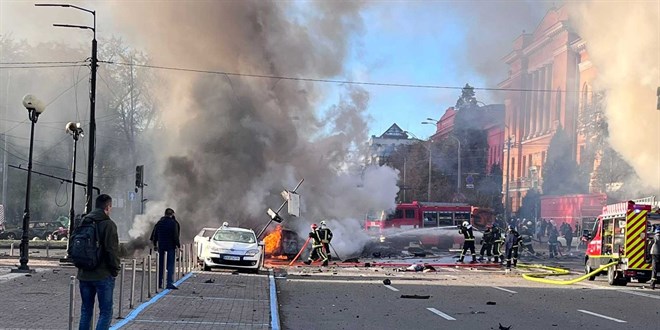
(468, 243)
(526, 239)
(497, 243)
(553, 242)
(655, 254)
(165, 237)
(544, 227)
(539, 232)
(317, 247)
(487, 243)
(511, 247)
(101, 279)
(568, 235)
(326, 237)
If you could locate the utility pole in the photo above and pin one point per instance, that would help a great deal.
(508, 179)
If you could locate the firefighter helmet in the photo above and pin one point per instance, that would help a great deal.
(322, 222)
(313, 226)
(657, 230)
(465, 223)
(511, 227)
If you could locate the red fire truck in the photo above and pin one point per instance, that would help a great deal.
(623, 234)
(419, 215)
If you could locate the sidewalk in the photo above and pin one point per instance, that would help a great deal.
(41, 300)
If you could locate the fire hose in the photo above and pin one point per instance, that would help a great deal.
(540, 277)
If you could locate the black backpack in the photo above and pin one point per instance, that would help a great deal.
(84, 247)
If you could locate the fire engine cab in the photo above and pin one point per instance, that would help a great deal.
(623, 233)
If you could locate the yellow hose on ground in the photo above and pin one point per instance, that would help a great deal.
(540, 277)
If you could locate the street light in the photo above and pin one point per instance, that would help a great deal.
(428, 192)
(76, 132)
(92, 99)
(34, 107)
(432, 121)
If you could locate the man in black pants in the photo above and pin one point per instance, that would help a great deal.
(497, 242)
(165, 237)
(466, 230)
(511, 247)
(655, 254)
(317, 247)
(487, 243)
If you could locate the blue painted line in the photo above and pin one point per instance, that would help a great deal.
(144, 305)
(274, 313)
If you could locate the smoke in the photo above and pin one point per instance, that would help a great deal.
(623, 42)
(232, 143)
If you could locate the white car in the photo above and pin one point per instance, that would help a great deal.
(232, 247)
(201, 238)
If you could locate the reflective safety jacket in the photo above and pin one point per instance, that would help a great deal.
(325, 235)
(497, 235)
(316, 238)
(489, 238)
(467, 233)
(512, 239)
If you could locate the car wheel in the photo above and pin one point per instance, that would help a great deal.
(11, 236)
(205, 267)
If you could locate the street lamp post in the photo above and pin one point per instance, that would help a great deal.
(76, 132)
(508, 179)
(34, 107)
(431, 121)
(92, 99)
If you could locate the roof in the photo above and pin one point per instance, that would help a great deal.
(394, 132)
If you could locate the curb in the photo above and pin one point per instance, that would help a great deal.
(274, 311)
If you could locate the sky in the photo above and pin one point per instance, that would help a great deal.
(399, 42)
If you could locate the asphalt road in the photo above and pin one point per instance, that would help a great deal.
(358, 299)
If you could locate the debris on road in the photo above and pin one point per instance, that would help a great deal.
(414, 296)
(210, 280)
(503, 327)
(387, 281)
(491, 303)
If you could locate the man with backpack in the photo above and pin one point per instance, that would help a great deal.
(94, 250)
(165, 238)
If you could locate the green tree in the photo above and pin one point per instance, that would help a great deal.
(560, 172)
(467, 99)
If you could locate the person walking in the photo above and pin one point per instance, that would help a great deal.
(526, 239)
(101, 279)
(553, 242)
(326, 237)
(568, 235)
(487, 243)
(468, 243)
(655, 262)
(165, 237)
(497, 243)
(317, 247)
(511, 247)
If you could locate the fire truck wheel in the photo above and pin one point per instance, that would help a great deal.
(615, 277)
(587, 270)
(206, 268)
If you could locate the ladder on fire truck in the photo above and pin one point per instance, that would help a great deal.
(622, 207)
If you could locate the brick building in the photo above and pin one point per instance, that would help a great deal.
(550, 81)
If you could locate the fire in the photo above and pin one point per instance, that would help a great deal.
(273, 240)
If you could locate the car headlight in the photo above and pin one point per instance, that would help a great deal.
(216, 250)
(251, 253)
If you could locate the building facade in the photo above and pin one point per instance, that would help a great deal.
(381, 147)
(549, 82)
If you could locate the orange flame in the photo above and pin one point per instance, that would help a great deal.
(273, 240)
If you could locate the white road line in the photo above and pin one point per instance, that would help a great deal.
(452, 276)
(602, 316)
(441, 314)
(505, 290)
(391, 288)
(648, 295)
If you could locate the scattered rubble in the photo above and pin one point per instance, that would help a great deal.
(414, 296)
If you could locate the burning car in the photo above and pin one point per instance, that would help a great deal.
(232, 247)
(282, 243)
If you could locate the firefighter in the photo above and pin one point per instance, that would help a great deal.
(317, 247)
(553, 242)
(466, 230)
(511, 247)
(655, 254)
(487, 243)
(497, 243)
(326, 237)
(526, 238)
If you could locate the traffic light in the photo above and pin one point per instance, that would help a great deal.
(139, 176)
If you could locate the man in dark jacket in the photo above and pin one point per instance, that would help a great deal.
(487, 243)
(655, 262)
(100, 280)
(165, 238)
(511, 247)
(318, 251)
(468, 243)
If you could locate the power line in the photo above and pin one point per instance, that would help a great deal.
(334, 81)
(42, 62)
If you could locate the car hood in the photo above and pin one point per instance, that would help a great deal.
(234, 246)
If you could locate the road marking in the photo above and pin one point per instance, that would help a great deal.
(648, 295)
(391, 288)
(602, 316)
(452, 276)
(505, 290)
(441, 314)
